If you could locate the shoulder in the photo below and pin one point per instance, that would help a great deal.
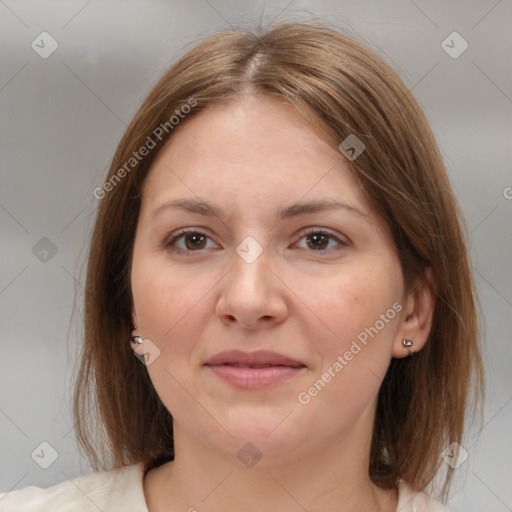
(116, 490)
(414, 501)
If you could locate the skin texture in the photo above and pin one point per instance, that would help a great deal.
(250, 158)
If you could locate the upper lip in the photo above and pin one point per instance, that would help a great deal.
(260, 357)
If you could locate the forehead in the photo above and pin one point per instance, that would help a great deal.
(255, 150)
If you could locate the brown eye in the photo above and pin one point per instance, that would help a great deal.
(194, 240)
(187, 241)
(322, 241)
(318, 241)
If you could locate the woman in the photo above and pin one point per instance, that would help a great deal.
(278, 244)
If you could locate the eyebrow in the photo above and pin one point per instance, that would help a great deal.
(204, 208)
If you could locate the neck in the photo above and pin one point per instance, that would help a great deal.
(333, 478)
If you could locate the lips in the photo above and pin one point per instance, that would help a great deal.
(254, 370)
(260, 359)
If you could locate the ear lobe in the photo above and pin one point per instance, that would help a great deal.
(417, 316)
(134, 343)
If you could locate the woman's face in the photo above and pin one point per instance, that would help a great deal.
(321, 286)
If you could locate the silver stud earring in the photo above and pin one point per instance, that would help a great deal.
(408, 344)
(136, 339)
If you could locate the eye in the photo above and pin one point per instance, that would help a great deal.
(193, 241)
(318, 240)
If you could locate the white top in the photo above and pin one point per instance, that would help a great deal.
(121, 490)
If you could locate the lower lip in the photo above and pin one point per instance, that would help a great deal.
(255, 378)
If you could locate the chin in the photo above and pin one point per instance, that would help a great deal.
(275, 440)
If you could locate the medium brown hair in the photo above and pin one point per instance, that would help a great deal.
(350, 90)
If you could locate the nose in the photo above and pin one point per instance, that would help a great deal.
(252, 295)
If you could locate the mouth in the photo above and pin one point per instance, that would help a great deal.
(254, 370)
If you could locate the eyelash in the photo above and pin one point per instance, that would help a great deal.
(169, 243)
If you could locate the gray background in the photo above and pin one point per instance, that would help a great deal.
(61, 120)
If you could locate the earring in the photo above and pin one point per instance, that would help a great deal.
(136, 339)
(408, 344)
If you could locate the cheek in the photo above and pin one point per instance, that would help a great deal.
(171, 305)
(359, 318)
(360, 304)
(171, 310)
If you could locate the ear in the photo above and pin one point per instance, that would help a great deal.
(417, 316)
(135, 331)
